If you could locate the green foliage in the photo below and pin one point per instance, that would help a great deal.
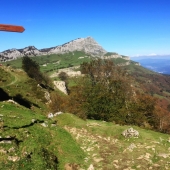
(63, 76)
(107, 90)
(32, 69)
(57, 102)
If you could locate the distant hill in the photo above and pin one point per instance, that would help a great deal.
(159, 63)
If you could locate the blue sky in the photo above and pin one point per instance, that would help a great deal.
(128, 27)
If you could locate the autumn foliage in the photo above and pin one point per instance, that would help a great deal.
(107, 92)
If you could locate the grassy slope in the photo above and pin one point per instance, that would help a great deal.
(51, 61)
(154, 83)
(25, 142)
(108, 149)
(70, 140)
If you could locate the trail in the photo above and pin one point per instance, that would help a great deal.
(14, 81)
(15, 77)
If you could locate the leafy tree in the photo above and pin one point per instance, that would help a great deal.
(142, 111)
(32, 69)
(63, 76)
(107, 90)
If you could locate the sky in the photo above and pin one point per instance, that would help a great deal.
(128, 27)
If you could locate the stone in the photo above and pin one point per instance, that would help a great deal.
(44, 125)
(3, 151)
(71, 166)
(132, 146)
(58, 113)
(12, 101)
(13, 158)
(91, 167)
(50, 115)
(61, 85)
(130, 133)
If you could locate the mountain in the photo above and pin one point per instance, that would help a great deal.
(30, 139)
(158, 63)
(87, 45)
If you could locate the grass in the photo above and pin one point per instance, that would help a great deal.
(66, 139)
(49, 147)
(5, 77)
(104, 144)
(54, 62)
(29, 140)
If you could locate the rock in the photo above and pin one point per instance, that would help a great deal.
(132, 146)
(91, 167)
(164, 155)
(50, 115)
(44, 125)
(70, 71)
(47, 96)
(71, 166)
(3, 151)
(12, 101)
(13, 158)
(130, 133)
(168, 140)
(61, 85)
(33, 120)
(58, 113)
(11, 149)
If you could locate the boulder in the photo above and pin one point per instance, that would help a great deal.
(130, 133)
(50, 115)
(58, 113)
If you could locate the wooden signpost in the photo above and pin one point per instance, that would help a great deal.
(11, 28)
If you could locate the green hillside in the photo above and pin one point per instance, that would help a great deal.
(30, 140)
(50, 63)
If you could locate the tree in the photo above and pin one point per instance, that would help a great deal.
(142, 111)
(32, 69)
(107, 90)
(63, 76)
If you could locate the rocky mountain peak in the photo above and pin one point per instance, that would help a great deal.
(88, 45)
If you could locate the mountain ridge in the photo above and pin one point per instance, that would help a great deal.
(88, 45)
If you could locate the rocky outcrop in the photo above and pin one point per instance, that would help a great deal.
(88, 45)
(16, 53)
(61, 86)
(70, 71)
(115, 55)
(130, 133)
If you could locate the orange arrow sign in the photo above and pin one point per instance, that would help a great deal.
(11, 28)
